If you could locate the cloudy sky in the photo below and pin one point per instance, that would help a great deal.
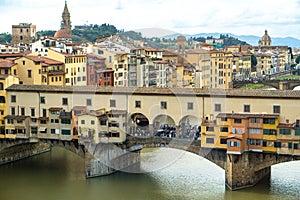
(242, 17)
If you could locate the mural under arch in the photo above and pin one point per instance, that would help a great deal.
(139, 125)
(189, 127)
(164, 126)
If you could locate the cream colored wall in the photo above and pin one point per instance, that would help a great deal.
(176, 105)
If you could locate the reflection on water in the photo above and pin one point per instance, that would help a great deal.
(172, 174)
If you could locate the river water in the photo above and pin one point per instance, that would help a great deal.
(171, 174)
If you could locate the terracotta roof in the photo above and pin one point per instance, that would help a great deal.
(55, 109)
(245, 116)
(63, 33)
(285, 125)
(198, 51)
(238, 137)
(10, 55)
(225, 93)
(117, 112)
(45, 60)
(6, 64)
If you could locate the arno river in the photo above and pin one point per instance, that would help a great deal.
(172, 174)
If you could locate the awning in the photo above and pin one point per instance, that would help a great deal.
(42, 129)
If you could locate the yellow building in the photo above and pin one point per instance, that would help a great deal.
(270, 124)
(5, 81)
(184, 76)
(120, 67)
(38, 70)
(221, 69)
(75, 67)
(241, 66)
(201, 59)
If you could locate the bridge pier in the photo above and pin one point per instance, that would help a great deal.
(106, 159)
(245, 170)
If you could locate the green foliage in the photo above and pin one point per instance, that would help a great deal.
(5, 38)
(49, 33)
(228, 40)
(93, 32)
(298, 59)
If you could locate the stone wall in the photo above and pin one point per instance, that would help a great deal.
(21, 151)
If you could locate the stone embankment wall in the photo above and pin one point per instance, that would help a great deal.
(21, 151)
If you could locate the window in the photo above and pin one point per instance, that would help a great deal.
(42, 100)
(254, 131)
(138, 104)
(65, 121)
(13, 99)
(64, 101)
(65, 132)
(112, 103)
(224, 119)
(92, 122)
(224, 129)
(44, 112)
(237, 121)
(277, 144)
(297, 132)
(89, 102)
(270, 132)
(43, 121)
(23, 111)
(246, 108)
(82, 121)
(13, 111)
(254, 120)
(34, 130)
(285, 131)
(269, 121)
(2, 99)
(1, 86)
(210, 140)
(190, 106)
(233, 144)
(217, 107)
(163, 105)
(276, 109)
(103, 122)
(223, 141)
(32, 111)
(29, 74)
(210, 129)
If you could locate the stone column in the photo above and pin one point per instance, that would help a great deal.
(244, 170)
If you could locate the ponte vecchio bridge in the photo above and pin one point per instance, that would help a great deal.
(94, 121)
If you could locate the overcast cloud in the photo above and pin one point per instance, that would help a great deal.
(241, 17)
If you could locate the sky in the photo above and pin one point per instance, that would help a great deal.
(241, 17)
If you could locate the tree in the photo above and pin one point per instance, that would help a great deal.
(298, 59)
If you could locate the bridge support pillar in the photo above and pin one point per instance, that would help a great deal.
(244, 170)
(109, 158)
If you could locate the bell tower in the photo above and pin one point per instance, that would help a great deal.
(66, 18)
